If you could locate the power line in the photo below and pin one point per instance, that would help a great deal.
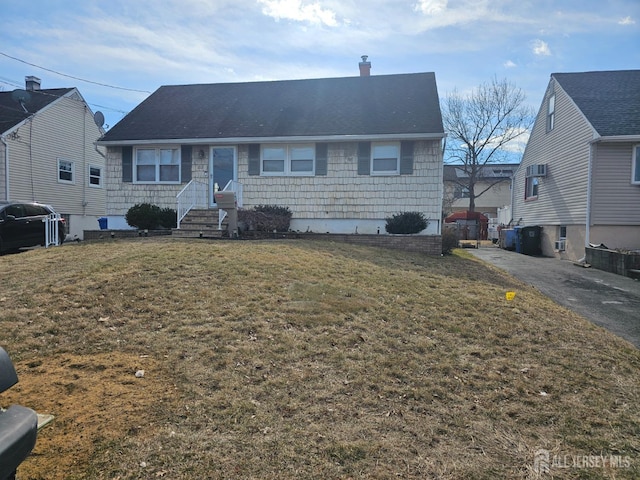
(71, 76)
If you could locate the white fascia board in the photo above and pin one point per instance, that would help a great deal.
(617, 138)
(289, 139)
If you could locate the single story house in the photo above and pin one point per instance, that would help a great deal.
(342, 154)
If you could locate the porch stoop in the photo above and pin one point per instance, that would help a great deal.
(200, 223)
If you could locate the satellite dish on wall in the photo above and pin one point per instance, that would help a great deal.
(98, 117)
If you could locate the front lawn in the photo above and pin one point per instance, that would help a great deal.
(302, 359)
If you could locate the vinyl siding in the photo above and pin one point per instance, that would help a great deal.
(65, 129)
(562, 194)
(615, 200)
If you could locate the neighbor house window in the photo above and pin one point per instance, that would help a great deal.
(531, 187)
(157, 165)
(288, 160)
(385, 158)
(461, 192)
(95, 176)
(551, 112)
(635, 167)
(65, 171)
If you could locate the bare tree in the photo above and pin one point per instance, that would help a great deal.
(481, 127)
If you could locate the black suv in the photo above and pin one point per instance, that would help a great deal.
(22, 225)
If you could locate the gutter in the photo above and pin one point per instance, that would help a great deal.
(284, 139)
(6, 166)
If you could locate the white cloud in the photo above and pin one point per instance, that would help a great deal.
(509, 64)
(431, 7)
(627, 21)
(294, 10)
(540, 47)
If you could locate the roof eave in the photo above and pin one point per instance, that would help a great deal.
(281, 139)
(617, 138)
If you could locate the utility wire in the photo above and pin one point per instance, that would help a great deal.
(71, 76)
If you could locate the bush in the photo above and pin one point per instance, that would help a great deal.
(266, 218)
(449, 241)
(146, 216)
(168, 218)
(406, 223)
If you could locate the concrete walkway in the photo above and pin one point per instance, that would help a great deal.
(609, 300)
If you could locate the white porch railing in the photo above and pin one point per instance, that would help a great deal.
(232, 186)
(194, 194)
(51, 231)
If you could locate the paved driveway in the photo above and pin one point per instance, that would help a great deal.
(609, 300)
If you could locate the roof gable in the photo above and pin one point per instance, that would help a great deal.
(12, 113)
(609, 100)
(376, 105)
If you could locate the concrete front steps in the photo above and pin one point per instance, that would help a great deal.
(200, 223)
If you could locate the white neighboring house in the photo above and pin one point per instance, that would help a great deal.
(48, 154)
(341, 153)
(580, 173)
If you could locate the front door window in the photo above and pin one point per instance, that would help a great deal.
(222, 169)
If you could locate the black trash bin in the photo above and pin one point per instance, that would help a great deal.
(531, 240)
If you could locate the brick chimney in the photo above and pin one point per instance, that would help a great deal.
(32, 83)
(365, 67)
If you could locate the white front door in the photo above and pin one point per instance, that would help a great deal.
(223, 167)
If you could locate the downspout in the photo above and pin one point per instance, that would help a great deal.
(587, 234)
(6, 166)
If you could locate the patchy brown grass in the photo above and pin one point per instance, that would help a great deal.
(274, 360)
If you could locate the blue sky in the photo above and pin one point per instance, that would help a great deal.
(140, 45)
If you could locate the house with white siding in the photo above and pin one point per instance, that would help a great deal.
(580, 173)
(341, 153)
(48, 153)
(492, 188)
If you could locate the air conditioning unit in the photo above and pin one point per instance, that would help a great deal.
(537, 170)
(560, 245)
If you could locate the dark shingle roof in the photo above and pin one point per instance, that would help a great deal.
(384, 104)
(12, 113)
(609, 100)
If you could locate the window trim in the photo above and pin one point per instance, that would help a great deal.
(73, 171)
(287, 171)
(529, 181)
(374, 172)
(157, 164)
(100, 177)
(635, 165)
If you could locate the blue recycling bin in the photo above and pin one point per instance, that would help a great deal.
(102, 221)
(518, 237)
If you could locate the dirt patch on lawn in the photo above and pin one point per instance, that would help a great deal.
(94, 398)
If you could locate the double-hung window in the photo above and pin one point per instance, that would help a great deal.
(551, 112)
(385, 158)
(288, 160)
(635, 166)
(531, 187)
(95, 176)
(157, 165)
(66, 171)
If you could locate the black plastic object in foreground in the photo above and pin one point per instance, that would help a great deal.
(18, 425)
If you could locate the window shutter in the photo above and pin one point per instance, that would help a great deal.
(127, 164)
(406, 158)
(321, 158)
(364, 158)
(254, 159)
(186, 162)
